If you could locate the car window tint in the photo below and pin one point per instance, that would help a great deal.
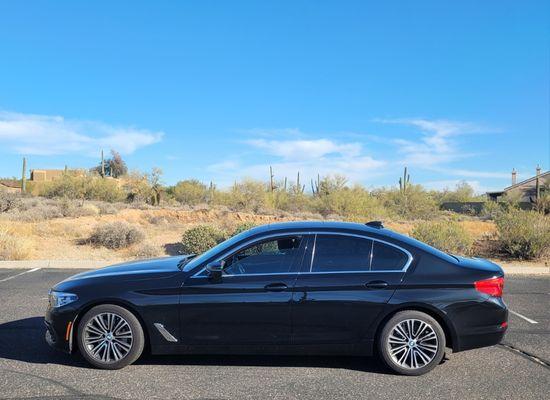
(387, 258)
(273, 256)
(337, 253)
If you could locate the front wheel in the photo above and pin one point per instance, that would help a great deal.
(110, 337)
(411, 343)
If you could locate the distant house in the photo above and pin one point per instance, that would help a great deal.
(45, 175)
(10, 185)
(524, 191)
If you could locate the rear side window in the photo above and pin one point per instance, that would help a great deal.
(337, 253)
(387, 258)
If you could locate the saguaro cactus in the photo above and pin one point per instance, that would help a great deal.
(24, 176)
(404, 181)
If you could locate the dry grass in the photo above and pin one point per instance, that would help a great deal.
(62, 238)
(13, 247)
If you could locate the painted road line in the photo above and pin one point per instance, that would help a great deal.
(531, 321)
(19, 274)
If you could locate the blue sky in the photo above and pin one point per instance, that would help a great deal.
(221, 90)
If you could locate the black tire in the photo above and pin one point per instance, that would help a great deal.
(136, 345)
(430, 347)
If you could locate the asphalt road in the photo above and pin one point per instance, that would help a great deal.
(30, 369)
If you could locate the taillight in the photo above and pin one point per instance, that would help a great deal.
(492, 286)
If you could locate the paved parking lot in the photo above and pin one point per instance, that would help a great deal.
(30, 369)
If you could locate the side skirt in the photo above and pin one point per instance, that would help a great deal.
(359, 349)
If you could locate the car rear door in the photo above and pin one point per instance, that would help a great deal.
(251, 303)
(343, 289)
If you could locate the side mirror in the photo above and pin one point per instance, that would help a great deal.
(214, 270)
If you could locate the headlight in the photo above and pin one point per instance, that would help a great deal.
(58, 299)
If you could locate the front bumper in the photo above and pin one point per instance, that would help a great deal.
(60, 327)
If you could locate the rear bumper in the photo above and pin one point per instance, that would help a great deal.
(489, 326)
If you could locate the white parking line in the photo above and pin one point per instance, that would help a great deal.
(19, 274)
(531, 321)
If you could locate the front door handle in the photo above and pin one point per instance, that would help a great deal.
(376, 285)
(276, 287)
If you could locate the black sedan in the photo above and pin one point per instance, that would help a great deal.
(289, 288)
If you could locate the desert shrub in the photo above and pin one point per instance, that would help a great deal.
(106, 208)
(243, 227)
(137, 187)
(413, 203)
(156, 219)
(146, 250)
(248, 195)
(116, 235)
(190, 192)
(13, 248)
(354, 203)
(83, 187)
(524, 234)
(492, 210)
(8, 201)
(446, 236)
(201, 238)
(103, 189)
(40, 213)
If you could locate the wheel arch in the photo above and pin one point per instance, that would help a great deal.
(116, 302)
(451, 337)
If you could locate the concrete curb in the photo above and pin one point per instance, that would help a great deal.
(94, 264)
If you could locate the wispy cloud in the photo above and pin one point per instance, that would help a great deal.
(308, 156)
(54, 135)
(306, 149)
(436, 144)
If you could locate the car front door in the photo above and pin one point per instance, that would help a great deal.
(250, 303)
(343, 289)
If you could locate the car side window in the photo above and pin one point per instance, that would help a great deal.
(387, 258)
(269, 257)
(339, 253)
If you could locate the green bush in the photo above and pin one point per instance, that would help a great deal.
(413, 203)
(446, 236)
(245, 226)
(116, 235)
(74, 187)
(191, 192)
(524, 234)
(201, 238)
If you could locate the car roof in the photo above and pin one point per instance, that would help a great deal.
(321, 225)
(348, 226)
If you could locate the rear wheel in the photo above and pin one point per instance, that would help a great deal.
(412, 343)
(110, 337)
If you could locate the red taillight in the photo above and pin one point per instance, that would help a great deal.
(492, 286)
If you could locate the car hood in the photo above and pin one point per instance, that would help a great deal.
(480, 264)
(134, 269)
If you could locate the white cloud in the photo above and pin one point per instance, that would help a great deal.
(308, 156)
(437, 144)
(53, 135)
(306, 149)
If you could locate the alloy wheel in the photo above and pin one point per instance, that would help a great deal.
(412, 344)
(108, 337)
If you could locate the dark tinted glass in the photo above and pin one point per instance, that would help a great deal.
(387, 258)
(273, 256)
(337, 253)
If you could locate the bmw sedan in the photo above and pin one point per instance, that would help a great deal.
(287, 288)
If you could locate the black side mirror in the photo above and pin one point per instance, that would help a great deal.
(214, 270)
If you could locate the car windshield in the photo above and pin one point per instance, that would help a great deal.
(215, 250)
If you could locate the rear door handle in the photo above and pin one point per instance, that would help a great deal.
(276, 287)
(376, 285)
